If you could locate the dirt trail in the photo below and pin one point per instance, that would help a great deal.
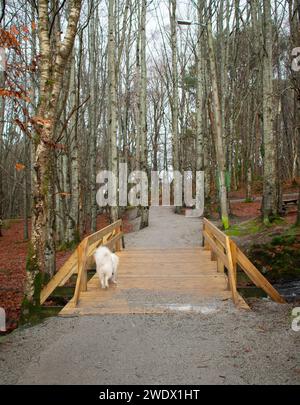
(223, 346)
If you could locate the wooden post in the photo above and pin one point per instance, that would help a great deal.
(220, 266)
(232, 280)
(83, 284)
(213, 256)
(206, 244)
(118, 243)
(234, 259)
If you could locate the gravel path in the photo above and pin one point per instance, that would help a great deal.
(225, 346)
(166, 230)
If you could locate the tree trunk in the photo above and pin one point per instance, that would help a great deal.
(143, 108)
(269, 206)
(199, 101)
(93, 105)
(220, 153)
(175, 96)
(41, 256)
(114, 212)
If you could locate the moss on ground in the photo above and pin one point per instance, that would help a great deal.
(246, 228)
(280, 258)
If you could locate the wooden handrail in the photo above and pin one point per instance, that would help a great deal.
(230, 256)
(219, 243)
(109, 236)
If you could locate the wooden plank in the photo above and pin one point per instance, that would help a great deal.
(211, 228)
(81, 254)
(62, 276)
(196, 281)
(231, 278)
(258, 279)
(220, 266)
(241, 303)
(213, 256)
(100, 234)
(234, 258)
(291, 200)
(112, 242)
(216, 249)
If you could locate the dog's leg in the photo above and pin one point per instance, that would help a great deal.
(102, 280)
(106, 281)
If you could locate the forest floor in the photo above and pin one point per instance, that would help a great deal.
(224, 346)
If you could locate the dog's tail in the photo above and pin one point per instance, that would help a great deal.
(101, 254)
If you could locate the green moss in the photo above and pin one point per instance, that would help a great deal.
(293, 231)
(284, 240)
(225, 222)
(233, 231)
(49, 82)
(280, 258)
(250, 227)
(31, 307)
(273, 220)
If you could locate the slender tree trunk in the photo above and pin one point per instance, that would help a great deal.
(175, 96)
(72, 231)
(294, 12)
(269, 206)
(199, 112)
(114, 214)
(93, 122)
(220, 153)
(143, 108)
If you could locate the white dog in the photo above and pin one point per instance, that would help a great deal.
(106, 265)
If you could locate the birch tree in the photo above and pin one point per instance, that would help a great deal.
(54, 54)
(217, 128)
(143, 108)
(175, 96)
(269, 207)
(112, 108)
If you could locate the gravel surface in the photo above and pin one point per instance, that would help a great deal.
(212, 344)
(166, 230)
(225, 347)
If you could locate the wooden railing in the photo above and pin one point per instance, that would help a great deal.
(110, 236)
(229, 256)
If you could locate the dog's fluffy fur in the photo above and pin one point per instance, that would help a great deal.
(106, 266)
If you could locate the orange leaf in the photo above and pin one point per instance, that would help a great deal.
(9, 40)
(19, 167)
(33, 25)
(10, 93)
